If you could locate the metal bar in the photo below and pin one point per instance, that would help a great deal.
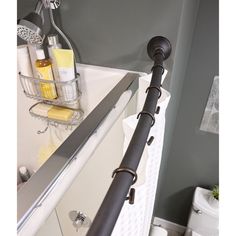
(159, 49)
(40, 183)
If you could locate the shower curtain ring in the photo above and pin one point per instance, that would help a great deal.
(128, 170)
(147, 113)
(155, 87)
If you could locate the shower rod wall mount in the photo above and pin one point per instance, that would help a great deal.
(158, 45)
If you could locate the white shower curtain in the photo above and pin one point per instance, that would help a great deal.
(135, 220)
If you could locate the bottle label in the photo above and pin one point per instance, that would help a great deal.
(69, 90)
(48, 90)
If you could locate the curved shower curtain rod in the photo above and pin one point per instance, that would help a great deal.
(159, 49)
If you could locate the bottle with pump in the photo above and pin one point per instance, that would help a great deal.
(44, 70)
(53, 42)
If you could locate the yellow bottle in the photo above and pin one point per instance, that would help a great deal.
(44, 70)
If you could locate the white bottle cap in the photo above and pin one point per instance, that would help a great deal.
(23, 170)
(40, 54)
(53, 39)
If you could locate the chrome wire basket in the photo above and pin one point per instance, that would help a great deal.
(51, 91)
(75, 120)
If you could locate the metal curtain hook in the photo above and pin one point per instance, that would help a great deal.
(43, 131)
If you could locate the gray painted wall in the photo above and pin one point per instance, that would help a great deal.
(193, 156)
(175, 85)
(115, 34)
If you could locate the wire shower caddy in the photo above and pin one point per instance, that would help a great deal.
(67, 94)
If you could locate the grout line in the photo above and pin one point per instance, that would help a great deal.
(59, 222)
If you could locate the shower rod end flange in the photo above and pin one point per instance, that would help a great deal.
(159, 44)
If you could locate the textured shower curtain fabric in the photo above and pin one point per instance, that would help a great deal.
(135, 220)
